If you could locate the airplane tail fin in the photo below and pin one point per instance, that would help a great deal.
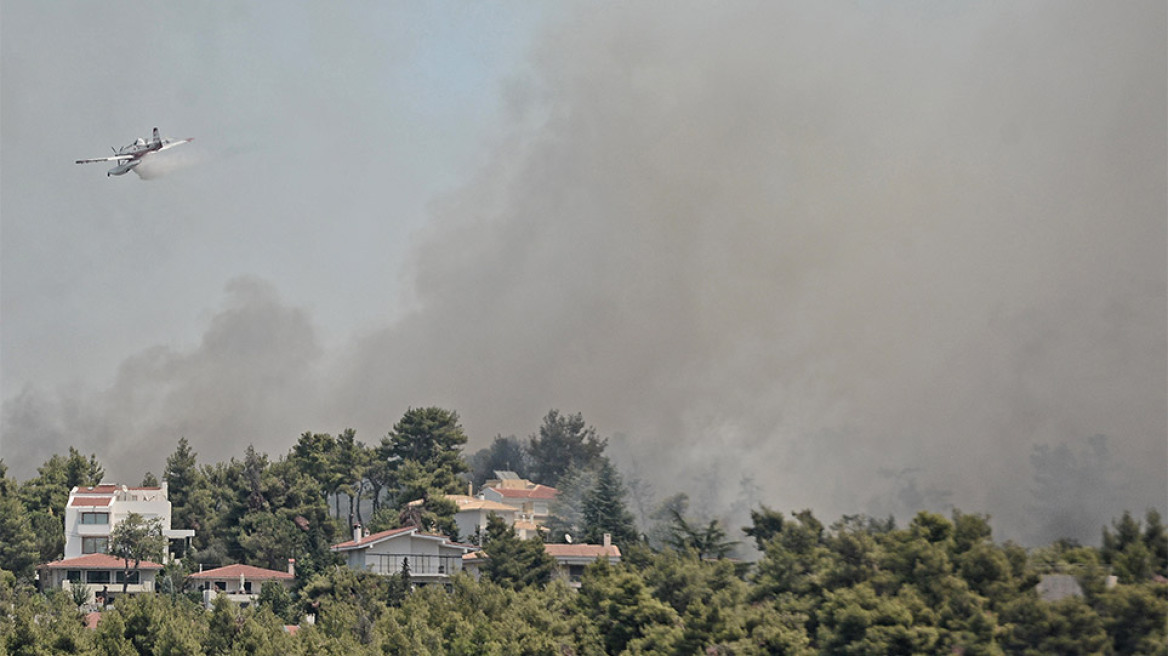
(157, 138)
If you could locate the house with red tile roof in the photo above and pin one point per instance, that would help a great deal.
(571, 559)
(430, 558)
(240, 583)
(532, 501)
(101, 574)
(473, 512)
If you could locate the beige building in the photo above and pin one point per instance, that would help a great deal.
(473, 512)
(101, 574)
(571, 559)
(240, 583)
(531, 501)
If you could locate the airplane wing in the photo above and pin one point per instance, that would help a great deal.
(115, 158)
(172, 144)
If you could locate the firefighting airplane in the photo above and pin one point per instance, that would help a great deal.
(132, 155)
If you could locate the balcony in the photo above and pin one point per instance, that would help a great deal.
(420, 565)
(89, 530)
(238, 598)
(111, 590)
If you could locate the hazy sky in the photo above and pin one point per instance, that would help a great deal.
(874, 256)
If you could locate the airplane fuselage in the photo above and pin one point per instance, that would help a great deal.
(131, 156)
(122, 169)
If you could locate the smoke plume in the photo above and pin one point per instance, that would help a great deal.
(251, 380)
(809, 245)
(167, 162)
(873, 258)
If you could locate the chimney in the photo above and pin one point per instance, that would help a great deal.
(356, 532)
(607, 540)
(470, 488)
(292, 566)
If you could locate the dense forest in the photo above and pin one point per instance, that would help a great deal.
(935, 584)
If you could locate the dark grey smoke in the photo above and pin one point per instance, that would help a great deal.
(252, 379)
(869, 257)
(808, 245)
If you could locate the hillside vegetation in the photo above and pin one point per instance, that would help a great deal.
(939, 584)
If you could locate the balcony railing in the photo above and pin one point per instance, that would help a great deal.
(91, 529)
(236, 597)
(111, 589)
(419, 564)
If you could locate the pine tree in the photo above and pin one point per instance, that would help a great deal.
(433, 439)
(605, 511)
(504, 453)
(18, 543)
(80, 471)
(182, 479)
(564, 442)
(512, 562)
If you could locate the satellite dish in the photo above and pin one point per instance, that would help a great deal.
(568, 538)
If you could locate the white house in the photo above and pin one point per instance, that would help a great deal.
(430, 558)
(101, 574)
(571, 559)
(532, 501)
(473, 512)
(241, 583)
(92, 513)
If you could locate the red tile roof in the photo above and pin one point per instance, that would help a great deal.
(91, 501)
(582, 551)
(376, 537)
(537, 492)
(97, 561)
(474, 503)
(591, 551)
(248, 572)
(91, 619)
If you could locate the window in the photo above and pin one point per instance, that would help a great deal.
(97, 576)
(73, 575)
(95, 518)
(94, 545)
(133, 579)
